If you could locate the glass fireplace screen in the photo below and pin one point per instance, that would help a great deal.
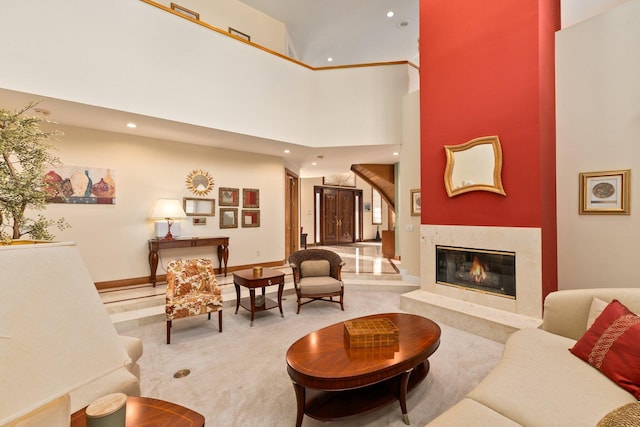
(479, 270)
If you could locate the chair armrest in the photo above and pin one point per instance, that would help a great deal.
(339, 271)
(296, 273)
(566, 312)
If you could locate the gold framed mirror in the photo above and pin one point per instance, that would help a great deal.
(199, 182)
(475, 165)
(199, 207)
(228, 218)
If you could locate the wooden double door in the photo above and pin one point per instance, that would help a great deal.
(338, 211)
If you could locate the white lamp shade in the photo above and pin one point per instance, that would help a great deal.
(55, 334)
(168, 209)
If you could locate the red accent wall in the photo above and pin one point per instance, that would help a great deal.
(487, 68)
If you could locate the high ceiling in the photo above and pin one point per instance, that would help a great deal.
(350, 32)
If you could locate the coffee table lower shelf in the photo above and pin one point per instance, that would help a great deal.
(333, 405)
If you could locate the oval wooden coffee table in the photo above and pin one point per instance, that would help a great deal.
(332, 381)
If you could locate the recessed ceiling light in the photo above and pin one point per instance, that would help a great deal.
(313, 164)
(390, 14)
(329, 59)
(131, 125)
(287, 151)
(395, 153)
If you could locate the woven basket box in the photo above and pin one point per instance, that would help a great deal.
(364, 333)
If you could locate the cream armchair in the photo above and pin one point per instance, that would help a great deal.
(317, 276)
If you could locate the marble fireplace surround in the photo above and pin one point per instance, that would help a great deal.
(491, 316)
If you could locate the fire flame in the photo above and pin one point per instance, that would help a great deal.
(477, 270)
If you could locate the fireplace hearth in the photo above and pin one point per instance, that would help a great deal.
(481, 270)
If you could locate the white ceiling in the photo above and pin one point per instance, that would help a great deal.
(351, 31)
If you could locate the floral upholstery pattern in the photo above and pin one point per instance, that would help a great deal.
(191, 290)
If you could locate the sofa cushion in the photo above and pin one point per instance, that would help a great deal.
(315, 267)
(319, 285)
(596, 309)
(469, 413)
(538, 383)
(612, 345)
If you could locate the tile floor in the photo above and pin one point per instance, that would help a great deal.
(364, 266)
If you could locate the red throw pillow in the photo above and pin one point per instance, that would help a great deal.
(612, 345)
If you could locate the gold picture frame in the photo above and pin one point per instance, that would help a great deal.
(228, 217)
(228, 196)
(239, 34)
(416, 202)
(605, 193)
(250, 198)
(186, 12)
(250, 218)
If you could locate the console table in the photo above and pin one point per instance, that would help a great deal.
(188, 242)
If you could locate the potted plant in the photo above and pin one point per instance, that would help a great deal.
(24, 154)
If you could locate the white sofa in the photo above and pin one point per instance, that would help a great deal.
(59, 348)
(538, 382)
(123, 380)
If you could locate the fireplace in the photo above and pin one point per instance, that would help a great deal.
(481, 270)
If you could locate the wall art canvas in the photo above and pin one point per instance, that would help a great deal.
(81, 185)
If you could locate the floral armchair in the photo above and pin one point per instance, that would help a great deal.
(191, 290)
(317, 276)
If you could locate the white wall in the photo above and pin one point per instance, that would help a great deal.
(263, 29)
(407, 226)
(130, 56)
(598, 129)
(576, 11)
(113, 238)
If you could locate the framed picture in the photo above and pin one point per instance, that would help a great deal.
(250, 218)
(228, 196)
(605, 193)
(250, 198)
(416, 202)
(228, 218)
(186, 12)
(240, 34)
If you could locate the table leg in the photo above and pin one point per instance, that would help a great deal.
(153, 265)
(300, 402)
(237, 296)
(252, 296)
(280, 289)
(223, 257)
(404, 382)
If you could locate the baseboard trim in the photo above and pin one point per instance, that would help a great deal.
(110, 284)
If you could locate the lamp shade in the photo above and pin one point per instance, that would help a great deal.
(168, 209)
(40, 362)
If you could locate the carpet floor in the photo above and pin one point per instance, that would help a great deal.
(239, 377)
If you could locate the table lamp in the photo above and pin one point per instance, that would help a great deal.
(169, 209)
